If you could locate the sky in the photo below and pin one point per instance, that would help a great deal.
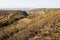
(29, 3)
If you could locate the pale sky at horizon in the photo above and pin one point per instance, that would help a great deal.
(29, 3)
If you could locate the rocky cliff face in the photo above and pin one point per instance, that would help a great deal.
(44, 24)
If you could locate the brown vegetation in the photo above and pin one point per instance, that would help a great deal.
(45, 26)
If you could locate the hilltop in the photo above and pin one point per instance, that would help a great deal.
(37, 24)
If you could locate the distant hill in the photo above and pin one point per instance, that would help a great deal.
(8, 16)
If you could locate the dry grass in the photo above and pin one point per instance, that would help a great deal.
(7, 17)
(42, 27)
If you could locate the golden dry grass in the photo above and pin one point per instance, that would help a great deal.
(45, 26)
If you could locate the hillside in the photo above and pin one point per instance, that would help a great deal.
(38, 24)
